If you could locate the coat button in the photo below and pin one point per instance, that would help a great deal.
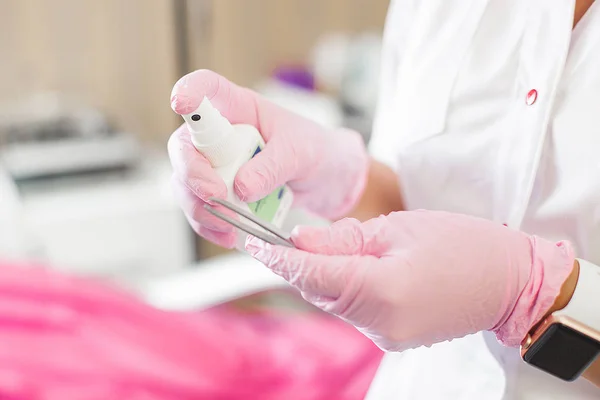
(531, 97)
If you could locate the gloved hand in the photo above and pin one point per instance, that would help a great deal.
(326, 169)
(416, 278)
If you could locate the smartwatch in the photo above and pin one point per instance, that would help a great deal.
(567, 341)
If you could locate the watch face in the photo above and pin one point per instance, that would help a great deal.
(562, 352)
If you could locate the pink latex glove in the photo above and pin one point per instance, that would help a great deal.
(326, 169)
(420, 277)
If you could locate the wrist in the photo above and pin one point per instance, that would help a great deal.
(567, 340)
(550, 271)
(356, 168)
(566, 290)
(381, 194)
(360, 170)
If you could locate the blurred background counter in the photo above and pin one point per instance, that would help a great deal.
(85, 116)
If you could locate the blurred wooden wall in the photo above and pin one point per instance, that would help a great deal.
(114, 54)
(245, 39)
(124, 55)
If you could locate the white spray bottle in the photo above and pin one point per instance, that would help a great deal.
(227, 147)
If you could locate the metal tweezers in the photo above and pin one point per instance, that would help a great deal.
(271, 233)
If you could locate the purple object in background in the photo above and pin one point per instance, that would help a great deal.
(297, 76)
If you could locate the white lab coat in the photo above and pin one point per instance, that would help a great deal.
(460, 124)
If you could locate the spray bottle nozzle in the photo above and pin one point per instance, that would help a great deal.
(211, 133)
(207, 123)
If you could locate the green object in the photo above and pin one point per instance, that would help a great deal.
(267, 207)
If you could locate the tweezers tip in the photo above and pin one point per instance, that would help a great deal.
(215, 200)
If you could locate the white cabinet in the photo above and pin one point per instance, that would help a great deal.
(125, 227)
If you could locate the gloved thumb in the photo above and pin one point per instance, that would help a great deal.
(347, 236)
(265, 172)
(235, 103)
(316, 274)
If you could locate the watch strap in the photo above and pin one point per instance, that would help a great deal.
(584, 305)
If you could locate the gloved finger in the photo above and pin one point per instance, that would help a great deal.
(192, 168)
(271, 168)
(285, 158)
(325, 303)
(235, 103)
(313, 273)
(276, 164)
(193, 207)
(224, 239)
(344, 237)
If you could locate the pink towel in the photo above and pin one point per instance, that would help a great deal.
(64, 338)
